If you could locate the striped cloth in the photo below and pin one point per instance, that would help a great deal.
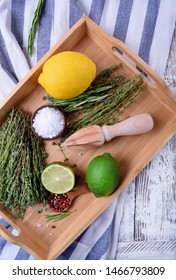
(146, 26)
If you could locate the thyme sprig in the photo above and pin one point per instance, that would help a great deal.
(22, 159)
(33, 28)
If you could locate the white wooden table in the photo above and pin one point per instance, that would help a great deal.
(148, 226)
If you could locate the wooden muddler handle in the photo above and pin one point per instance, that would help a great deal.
(134, 125)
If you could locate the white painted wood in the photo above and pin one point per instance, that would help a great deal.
(148, 226)
(154, 250)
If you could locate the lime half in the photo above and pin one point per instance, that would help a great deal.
(58, 178)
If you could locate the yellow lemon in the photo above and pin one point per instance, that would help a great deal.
(67, 74)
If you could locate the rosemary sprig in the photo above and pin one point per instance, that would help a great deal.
(58, 216)
(33, 28)
(22, 159)
(77, 103)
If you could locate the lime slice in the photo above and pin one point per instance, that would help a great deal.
(58, 178)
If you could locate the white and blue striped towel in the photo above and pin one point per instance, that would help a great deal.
(146, 26)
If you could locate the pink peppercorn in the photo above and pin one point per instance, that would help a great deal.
(58, 202)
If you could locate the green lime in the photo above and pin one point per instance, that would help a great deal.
(102, 175)
(58, 177)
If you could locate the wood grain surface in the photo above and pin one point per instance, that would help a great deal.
(148, 226)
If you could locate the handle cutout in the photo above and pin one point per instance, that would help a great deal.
(8, 228)
(135, 65)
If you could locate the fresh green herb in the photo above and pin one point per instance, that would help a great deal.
(103, 102)
(22, 159)
(58, 216)
(33, 28)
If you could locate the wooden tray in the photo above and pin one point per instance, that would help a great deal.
(133, 152)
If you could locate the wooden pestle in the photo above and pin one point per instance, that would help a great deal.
(95, 135)
(132, 126)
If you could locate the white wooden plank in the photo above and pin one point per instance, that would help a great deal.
(147, 250)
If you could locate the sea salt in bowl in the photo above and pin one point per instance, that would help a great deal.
(48, 122)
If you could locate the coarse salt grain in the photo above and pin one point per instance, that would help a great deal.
(48, 122)
(39, 225)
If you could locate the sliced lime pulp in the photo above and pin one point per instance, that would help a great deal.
(58, 178)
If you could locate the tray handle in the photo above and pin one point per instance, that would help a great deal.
(24, 239)
(153, 77)
(7, 235)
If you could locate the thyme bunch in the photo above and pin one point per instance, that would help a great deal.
(103, 102)
(107, 112)
(22, 159)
